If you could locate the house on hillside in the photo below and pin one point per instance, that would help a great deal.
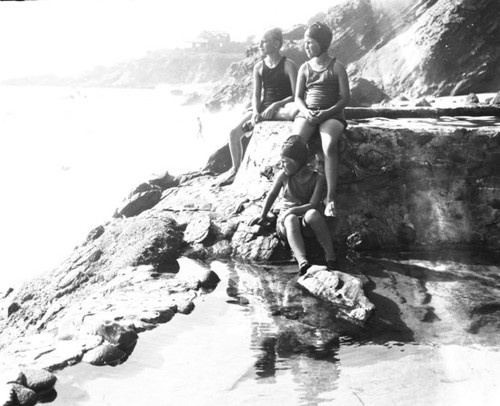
(211, 40)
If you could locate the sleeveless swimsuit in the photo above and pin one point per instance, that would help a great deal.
(322, 90)
(294, 194)
(275, 83)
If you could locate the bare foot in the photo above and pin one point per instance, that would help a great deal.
(227, 178)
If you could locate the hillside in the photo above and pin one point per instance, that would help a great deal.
(178, 66)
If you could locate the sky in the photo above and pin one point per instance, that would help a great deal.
(70, 36)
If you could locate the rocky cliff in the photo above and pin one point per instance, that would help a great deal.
(422, 48)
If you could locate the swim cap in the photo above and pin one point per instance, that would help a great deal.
(321, 33)
(295, 148)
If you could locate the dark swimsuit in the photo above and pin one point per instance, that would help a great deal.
(322, 90)
(275, 83)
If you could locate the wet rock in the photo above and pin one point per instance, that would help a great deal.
(105, 354)
(185, 307)
(342, 290)
(39, 380)
(200, 277)
(24, 396)
(116, 333)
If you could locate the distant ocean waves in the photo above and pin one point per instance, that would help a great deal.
(69, 156)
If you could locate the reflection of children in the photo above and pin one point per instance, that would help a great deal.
(274, 79)
(301, 191)
(321, 95)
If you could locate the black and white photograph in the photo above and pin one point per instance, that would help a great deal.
(252, 203)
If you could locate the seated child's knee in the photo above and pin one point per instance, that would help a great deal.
(311, 216)
(291, 220)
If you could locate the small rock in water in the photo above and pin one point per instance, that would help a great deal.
(339, 288)
(39, 379)
(105, 354)
(24, 396)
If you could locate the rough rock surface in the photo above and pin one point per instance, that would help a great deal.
(339, 288)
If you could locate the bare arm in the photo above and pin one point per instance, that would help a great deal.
(273, 194)
(257, 91)
(300, 89)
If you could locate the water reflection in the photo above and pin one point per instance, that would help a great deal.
(260, 339)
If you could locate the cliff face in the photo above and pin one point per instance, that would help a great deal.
(440, 47)
(429, 47)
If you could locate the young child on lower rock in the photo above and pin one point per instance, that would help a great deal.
(301, 190)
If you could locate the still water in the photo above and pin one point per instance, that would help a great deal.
(247, 343)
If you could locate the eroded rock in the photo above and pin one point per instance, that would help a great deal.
(39, 380)
(340, 289)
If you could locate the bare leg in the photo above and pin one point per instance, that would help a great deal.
(235, 136)
(303, 128)
(330, 132)
(287, 112)
(294, 237)
(314, 219)
(236, 150)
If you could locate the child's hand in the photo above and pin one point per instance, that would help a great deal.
(269, 113)
(312, 116)
(255, 118)
(259, 221)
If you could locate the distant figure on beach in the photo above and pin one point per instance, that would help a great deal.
(321, 96)
(199, 135)
(274, 80)
(301, 194)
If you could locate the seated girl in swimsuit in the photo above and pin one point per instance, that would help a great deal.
(301, 191)
(322, 93)
(274, 79)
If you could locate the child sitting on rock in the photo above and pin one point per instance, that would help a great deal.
(301, 192)
(274, 79)
(321, 95)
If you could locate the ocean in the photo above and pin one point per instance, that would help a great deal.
(70, 155)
